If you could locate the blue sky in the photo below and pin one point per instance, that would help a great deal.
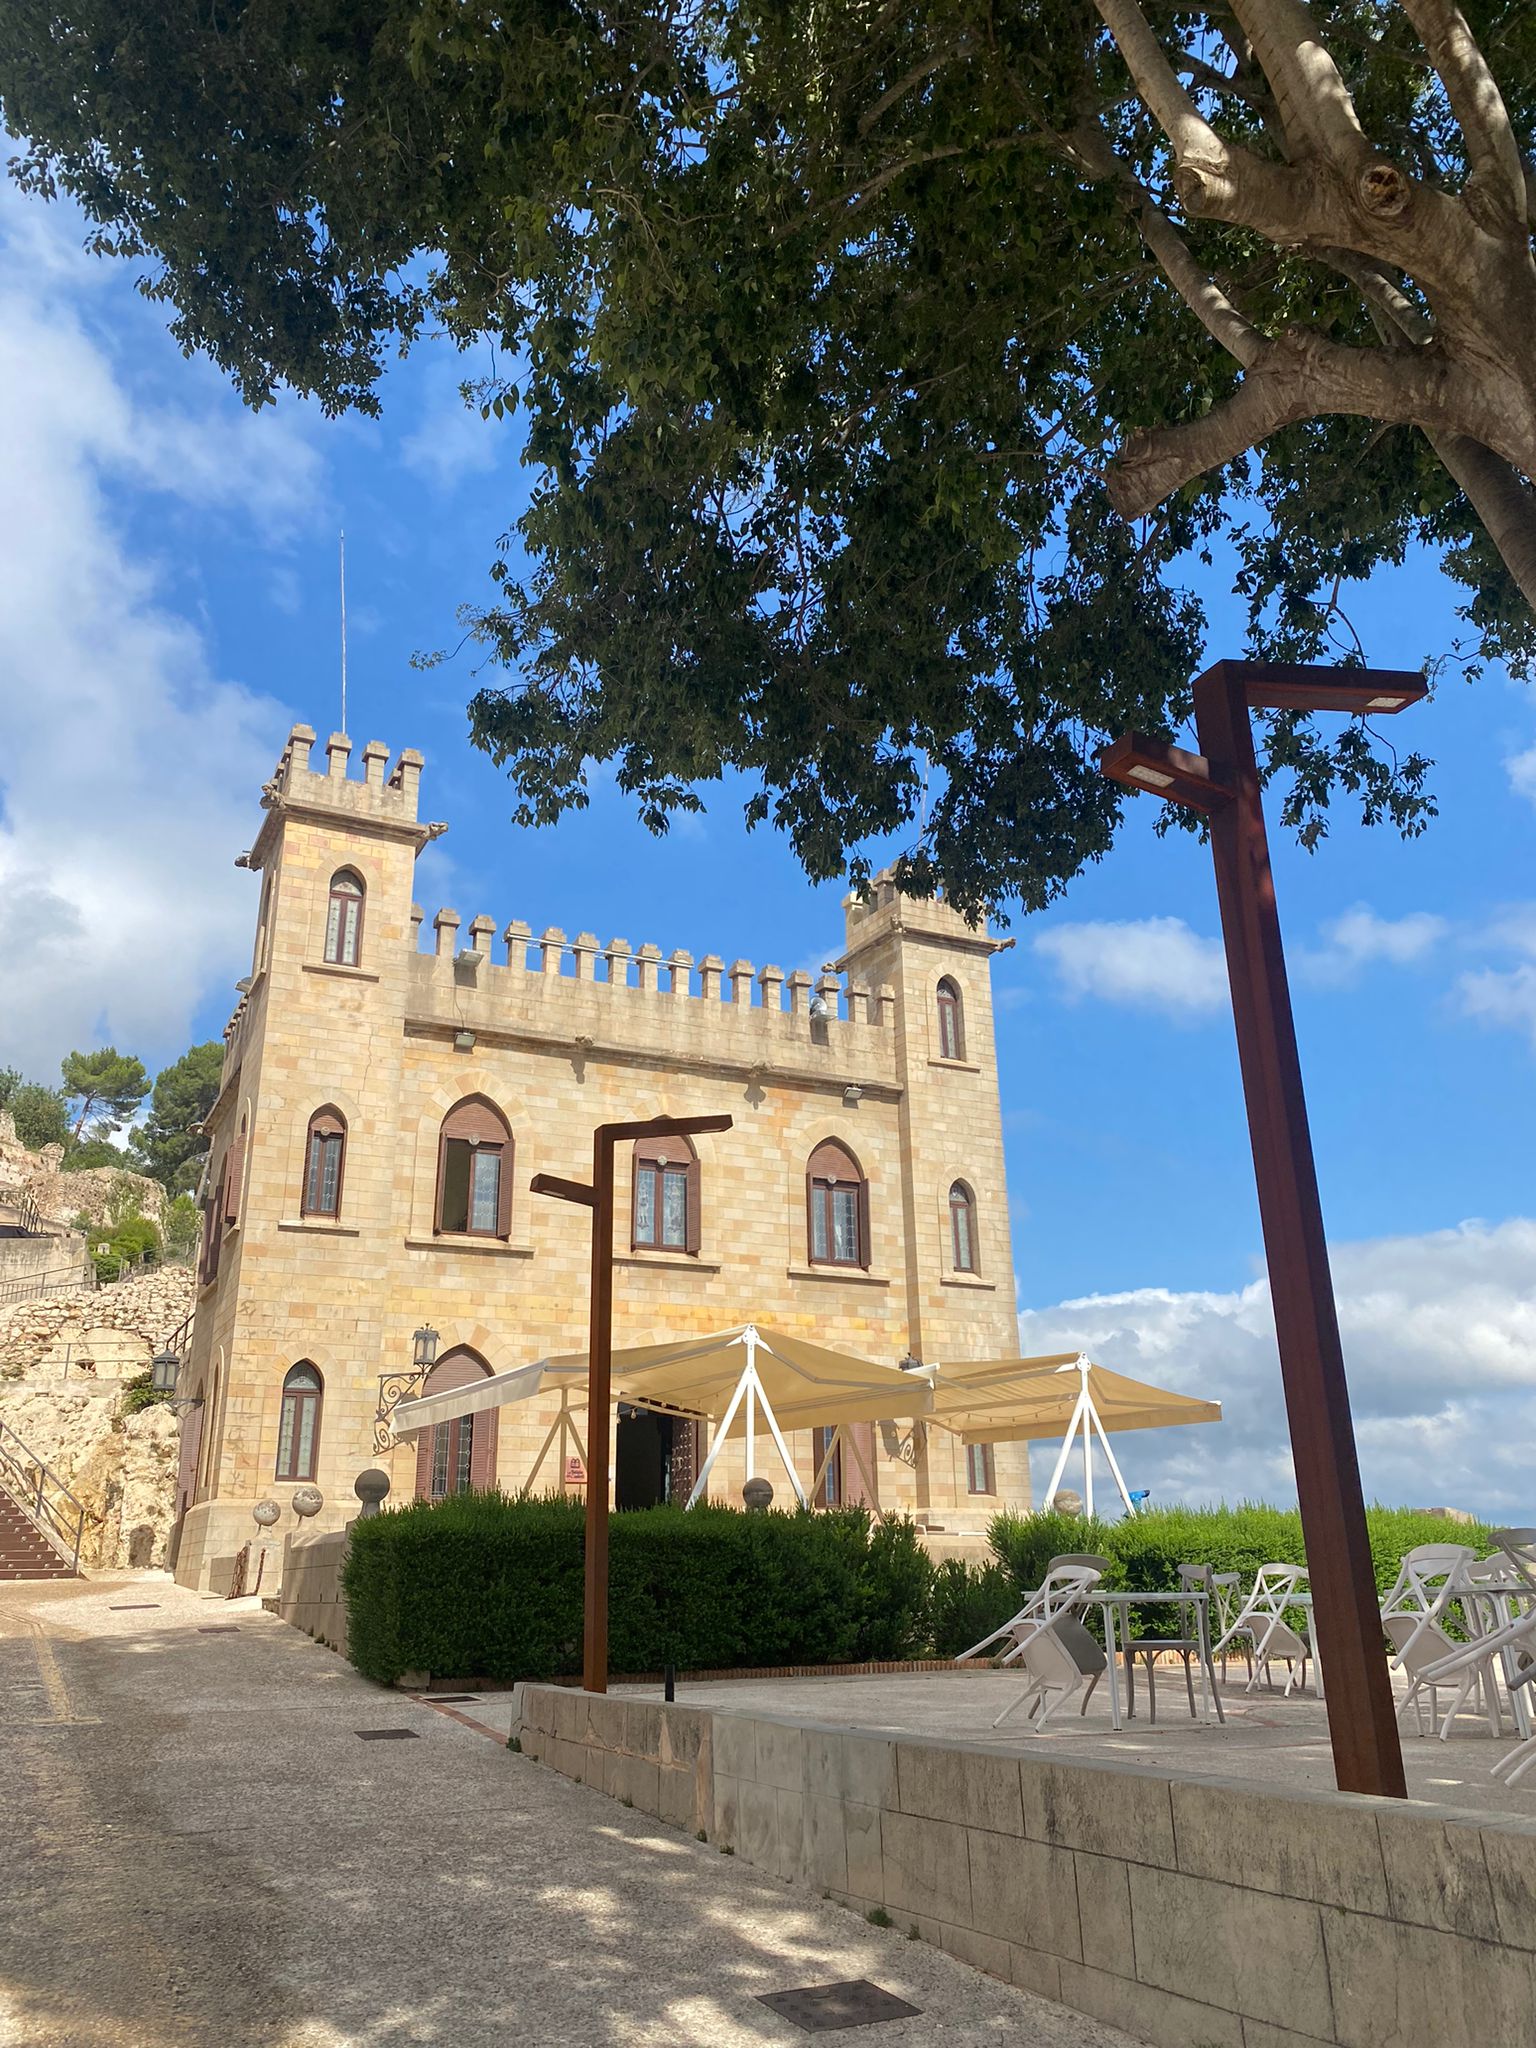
(169, 604)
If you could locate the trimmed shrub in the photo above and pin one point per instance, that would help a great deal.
(480, 1586)
(966, 1602)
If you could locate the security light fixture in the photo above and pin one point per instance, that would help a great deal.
(467, 956)
(821, 1009)
(243, 985)
(853, 1095)
(424, 1348)
(463, 1041)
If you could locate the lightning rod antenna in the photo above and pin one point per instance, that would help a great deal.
(343, 629)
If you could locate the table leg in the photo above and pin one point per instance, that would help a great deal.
(1111, 1655)
(1207, 1663)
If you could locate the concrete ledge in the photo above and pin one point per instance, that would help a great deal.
(1192, 1913)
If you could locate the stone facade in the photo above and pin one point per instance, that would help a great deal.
(560, 1035)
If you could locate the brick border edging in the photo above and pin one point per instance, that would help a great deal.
(913, 1667)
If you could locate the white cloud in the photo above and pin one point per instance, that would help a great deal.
(450, 441)
(129, 767)
(1152, 963)
(1505, 996)
(1440, 1346)
(1361, 939)
(1522, 773)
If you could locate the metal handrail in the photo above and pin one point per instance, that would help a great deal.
(78, 1276)
(26, 1479)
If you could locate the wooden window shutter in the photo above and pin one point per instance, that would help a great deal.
(693, 1205)
(810, 1217)
(503, 1213)
(864, 1224)
(442, 1167)
(234, 1169)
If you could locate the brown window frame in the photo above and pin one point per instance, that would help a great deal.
(448, 1438)
(341, 900)
(298, 1397)
(951, 1020)
(962, 1200)
(325, 1126)
(658, 1157)
(988, 1469)
(479, 1124)
(830, 1493)
(824, 1179)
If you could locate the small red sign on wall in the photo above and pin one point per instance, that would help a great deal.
(575, 1472)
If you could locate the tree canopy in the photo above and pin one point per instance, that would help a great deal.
(165, 1145)
(880, 365)
(102, 1089)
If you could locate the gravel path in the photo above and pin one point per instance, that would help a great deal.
(201, 1853)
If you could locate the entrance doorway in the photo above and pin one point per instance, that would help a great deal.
(655, 1458)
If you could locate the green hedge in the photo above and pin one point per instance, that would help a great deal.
(480, 1586)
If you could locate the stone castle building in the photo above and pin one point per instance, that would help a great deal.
(389, 1092)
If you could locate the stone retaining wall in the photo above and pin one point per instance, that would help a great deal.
(1194, 1913)
(311, 1596)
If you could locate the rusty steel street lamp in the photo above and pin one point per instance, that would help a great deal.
(597, 1195)
(1222, 784)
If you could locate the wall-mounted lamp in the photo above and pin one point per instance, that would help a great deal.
(463, 1041)
(821, 1009)
(853, 1095)
(424, 1348)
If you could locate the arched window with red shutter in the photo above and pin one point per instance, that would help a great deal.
(664, 1210)
(459, 1454)
(951, 1021)
(474, 1171)
(325, 1153)
(837, 1198)
(298, 1432)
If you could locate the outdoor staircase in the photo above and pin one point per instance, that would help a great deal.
(25, 1553)
(41, 1521)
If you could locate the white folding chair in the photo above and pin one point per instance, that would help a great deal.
(1468, 1665)
(1054, 1671)
(1424, 1587)
(1262, 1619)
(1065, 1580)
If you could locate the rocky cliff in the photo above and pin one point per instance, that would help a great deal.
(63, 1365)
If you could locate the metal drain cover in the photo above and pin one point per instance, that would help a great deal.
(447, 1699)
(386, 1734)
(221, 1628)
(823, 2008)
(131, 1606)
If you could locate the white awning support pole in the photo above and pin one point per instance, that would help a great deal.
(749, 1379)
(717, 1442)
(1093, 1417)
(778, 1437)
(1066, 1449)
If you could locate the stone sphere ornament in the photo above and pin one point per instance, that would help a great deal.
(757, 1494)
(371, 1487)
(266, 1513)
(309, 1500)
(1067, 1501)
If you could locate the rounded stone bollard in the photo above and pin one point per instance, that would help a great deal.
(371, 1487)
(1067, 1501)
(309, 1500)
(266, 1513)
(757, 1494)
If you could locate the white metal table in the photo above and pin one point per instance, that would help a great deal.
(1113, 1607)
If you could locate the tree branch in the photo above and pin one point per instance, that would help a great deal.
(1497, 175)
(1194, 140)
(1297, 377)
(1311, 97)
(903, 86)
(1502, 500)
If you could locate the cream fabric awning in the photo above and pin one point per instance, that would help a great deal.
(1017, 1400)
(547, 1376)
(805, 1384)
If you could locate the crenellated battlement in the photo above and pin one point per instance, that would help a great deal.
(380, 795)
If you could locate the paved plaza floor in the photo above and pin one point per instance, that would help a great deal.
(199, 1852)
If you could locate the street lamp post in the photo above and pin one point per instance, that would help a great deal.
(1222, 784)
(597, 1195)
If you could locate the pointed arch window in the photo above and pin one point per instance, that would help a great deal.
(951, 1021)
(344, 919)
(962, 1228)
(666, 1196)
(837, 1196)
(325, 1155)
(298, 1432)
(474, 1171)
(454, 1456)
